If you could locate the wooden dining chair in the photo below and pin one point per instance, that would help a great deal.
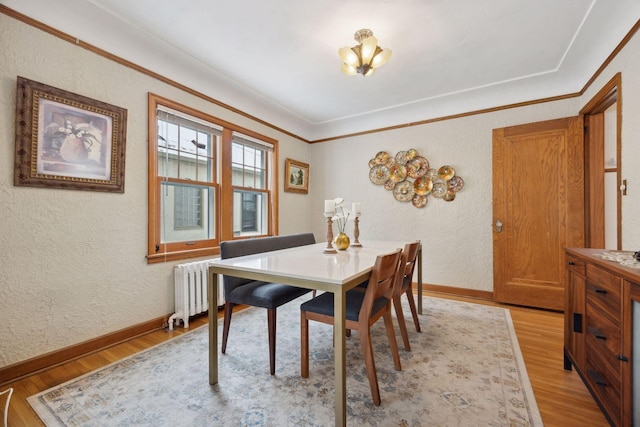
(363, 309)
(405, 287)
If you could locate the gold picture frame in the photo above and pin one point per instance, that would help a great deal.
(67, 141)
(296, 177)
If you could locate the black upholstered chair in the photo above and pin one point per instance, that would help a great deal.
(405, 287)
(363, 310)
(257, 293)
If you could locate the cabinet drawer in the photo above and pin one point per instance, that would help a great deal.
(576, 265)
(604, 292)
(605, 385)
(603, 337)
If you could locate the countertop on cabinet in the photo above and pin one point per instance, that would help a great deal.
(592, 255)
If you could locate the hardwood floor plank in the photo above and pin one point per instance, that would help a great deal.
(562, 397)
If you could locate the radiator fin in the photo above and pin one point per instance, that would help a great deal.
(191, 287)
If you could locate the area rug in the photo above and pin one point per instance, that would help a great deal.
(464, 368)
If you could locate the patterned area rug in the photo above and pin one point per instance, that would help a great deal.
(465, 368)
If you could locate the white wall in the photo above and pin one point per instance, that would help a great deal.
(73, 262)
(627, 62)
(457, 235)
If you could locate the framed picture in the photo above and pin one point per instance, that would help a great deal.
(296, 177)
(65, 140)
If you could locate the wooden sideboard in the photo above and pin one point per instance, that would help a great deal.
(600, 297)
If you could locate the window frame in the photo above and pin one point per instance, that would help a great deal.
(157, 251)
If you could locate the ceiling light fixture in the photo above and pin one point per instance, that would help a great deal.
(365, 57)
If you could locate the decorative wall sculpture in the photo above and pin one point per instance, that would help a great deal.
(408, 176)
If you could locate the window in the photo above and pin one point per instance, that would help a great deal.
(250, 192)
(209, 181)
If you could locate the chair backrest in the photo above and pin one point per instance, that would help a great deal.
(236, 248)
(411, 252)
(382, 281)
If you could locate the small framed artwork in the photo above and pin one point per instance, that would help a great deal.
(68, 141)
(296, 177)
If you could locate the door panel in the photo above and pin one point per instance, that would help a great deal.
(538, 195)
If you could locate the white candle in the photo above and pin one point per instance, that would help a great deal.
(329, 207)
(356, 209)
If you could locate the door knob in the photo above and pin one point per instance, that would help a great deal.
(498, 226)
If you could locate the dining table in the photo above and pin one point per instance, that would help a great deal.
(307, 267)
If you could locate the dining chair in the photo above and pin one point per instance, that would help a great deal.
(363, 309)
(257, 293)
(405, 287)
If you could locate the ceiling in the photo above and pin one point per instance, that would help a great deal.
(277, 60)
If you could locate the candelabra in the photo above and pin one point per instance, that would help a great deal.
(329, 249)
(356, 232)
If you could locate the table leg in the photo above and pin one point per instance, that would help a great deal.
(213, 327)
(339, 310)
(420, 279)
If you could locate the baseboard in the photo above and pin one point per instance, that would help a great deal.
(31, 366)
(452, 290)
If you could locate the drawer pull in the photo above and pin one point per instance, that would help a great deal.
(597, 378)
(596, 333)
(622, 358)
(577, 322)
(596, 289)
(571, 263)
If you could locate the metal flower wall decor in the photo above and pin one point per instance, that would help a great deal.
(411, 179)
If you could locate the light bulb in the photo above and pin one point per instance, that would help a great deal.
(368, 49)
(348, 56)
(381, 58)
(349, 70)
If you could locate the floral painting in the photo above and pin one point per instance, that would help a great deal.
(65, 140)
(72, 142)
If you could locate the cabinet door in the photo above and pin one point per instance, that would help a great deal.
(574, 311)
(631, 352)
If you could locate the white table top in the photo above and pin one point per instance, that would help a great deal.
(310, 263)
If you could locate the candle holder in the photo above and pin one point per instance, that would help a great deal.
(356, 232)
(329, 249)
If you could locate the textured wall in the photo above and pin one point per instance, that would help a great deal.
(73, 262)
(457, 235)
(627, 62)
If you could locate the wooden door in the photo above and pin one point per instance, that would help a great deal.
(538, 209)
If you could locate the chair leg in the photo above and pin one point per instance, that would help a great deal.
(397, 304)
(228, 311)
(412, 305)
(370, 364)
(391, 334)
(304, 345)
(271, 321)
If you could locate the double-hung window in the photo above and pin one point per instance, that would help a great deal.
(209, 181)
(250, 191)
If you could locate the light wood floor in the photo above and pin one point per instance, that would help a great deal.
(562, 398)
